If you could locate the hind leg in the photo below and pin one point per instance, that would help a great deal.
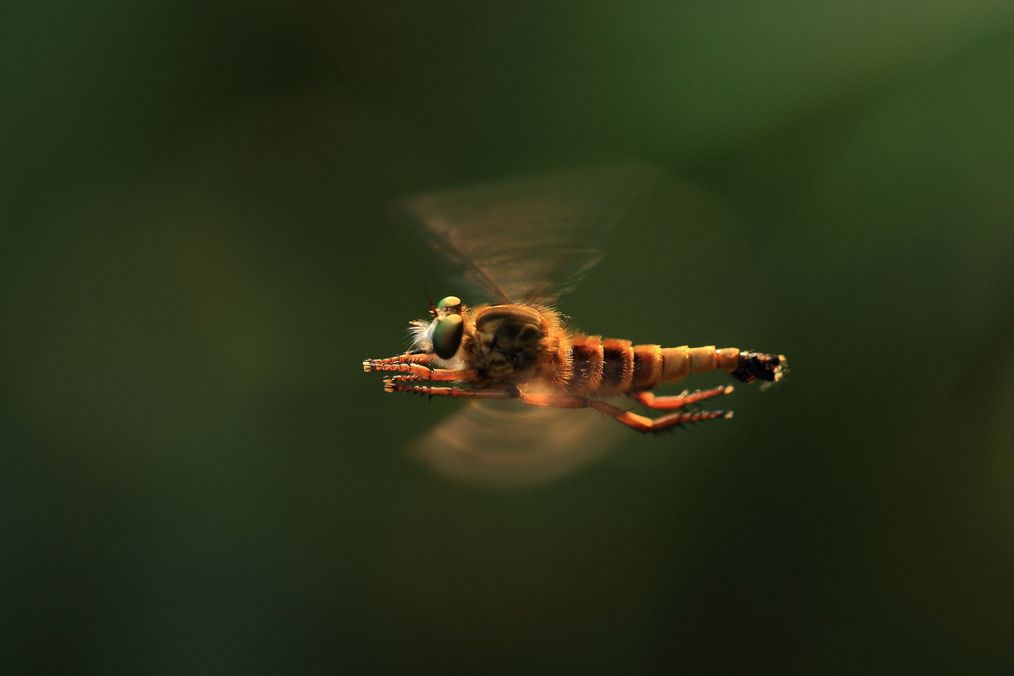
(630, 419)
(649, 399)
(645, 424)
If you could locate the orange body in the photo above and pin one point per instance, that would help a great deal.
(610, 366)
(524, 351)
(520, 343)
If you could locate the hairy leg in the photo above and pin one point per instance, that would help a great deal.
(638, 422)
(645, 424)
(649, 399)
(397, 360)
(419, 371)
(408, 384)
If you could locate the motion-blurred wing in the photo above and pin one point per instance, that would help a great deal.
(508, 444)
(530, 239)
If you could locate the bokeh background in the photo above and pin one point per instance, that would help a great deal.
(195, 256)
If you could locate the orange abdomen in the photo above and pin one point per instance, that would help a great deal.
(610, 366)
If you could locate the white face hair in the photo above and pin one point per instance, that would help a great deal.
(421, 333)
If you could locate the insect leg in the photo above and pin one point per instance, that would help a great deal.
(644, 424)
(421, 372)
(680, 400)
(630, 419)
(406, 384)
(387, 363)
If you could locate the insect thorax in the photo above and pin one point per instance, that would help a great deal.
(508, 340)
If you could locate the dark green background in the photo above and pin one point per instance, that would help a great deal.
(197, 477)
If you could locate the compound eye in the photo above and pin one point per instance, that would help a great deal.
(450, 303)
(447, 336)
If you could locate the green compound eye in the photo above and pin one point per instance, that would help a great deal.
(447, 335)
(449, 303)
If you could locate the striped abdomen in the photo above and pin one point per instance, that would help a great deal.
(609, 366)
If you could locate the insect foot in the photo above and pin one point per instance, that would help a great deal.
(401, 384)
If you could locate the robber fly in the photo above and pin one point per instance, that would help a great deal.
(521, 244)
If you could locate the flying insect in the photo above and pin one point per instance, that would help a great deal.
(519, 245)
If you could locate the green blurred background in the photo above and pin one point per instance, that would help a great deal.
(196, 476)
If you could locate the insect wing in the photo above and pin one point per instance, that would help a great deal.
(504, 445)
(531, 239)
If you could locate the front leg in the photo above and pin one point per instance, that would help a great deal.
(421, 372)
(392, 363)
(408, 384)
(419, 367)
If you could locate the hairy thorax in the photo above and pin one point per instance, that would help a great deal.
(511, 343)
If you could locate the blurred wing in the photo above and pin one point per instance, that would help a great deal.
(530, 239)
(508, 444)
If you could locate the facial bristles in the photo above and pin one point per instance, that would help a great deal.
(418, 332)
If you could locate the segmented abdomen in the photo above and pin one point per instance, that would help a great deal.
(608, 366)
